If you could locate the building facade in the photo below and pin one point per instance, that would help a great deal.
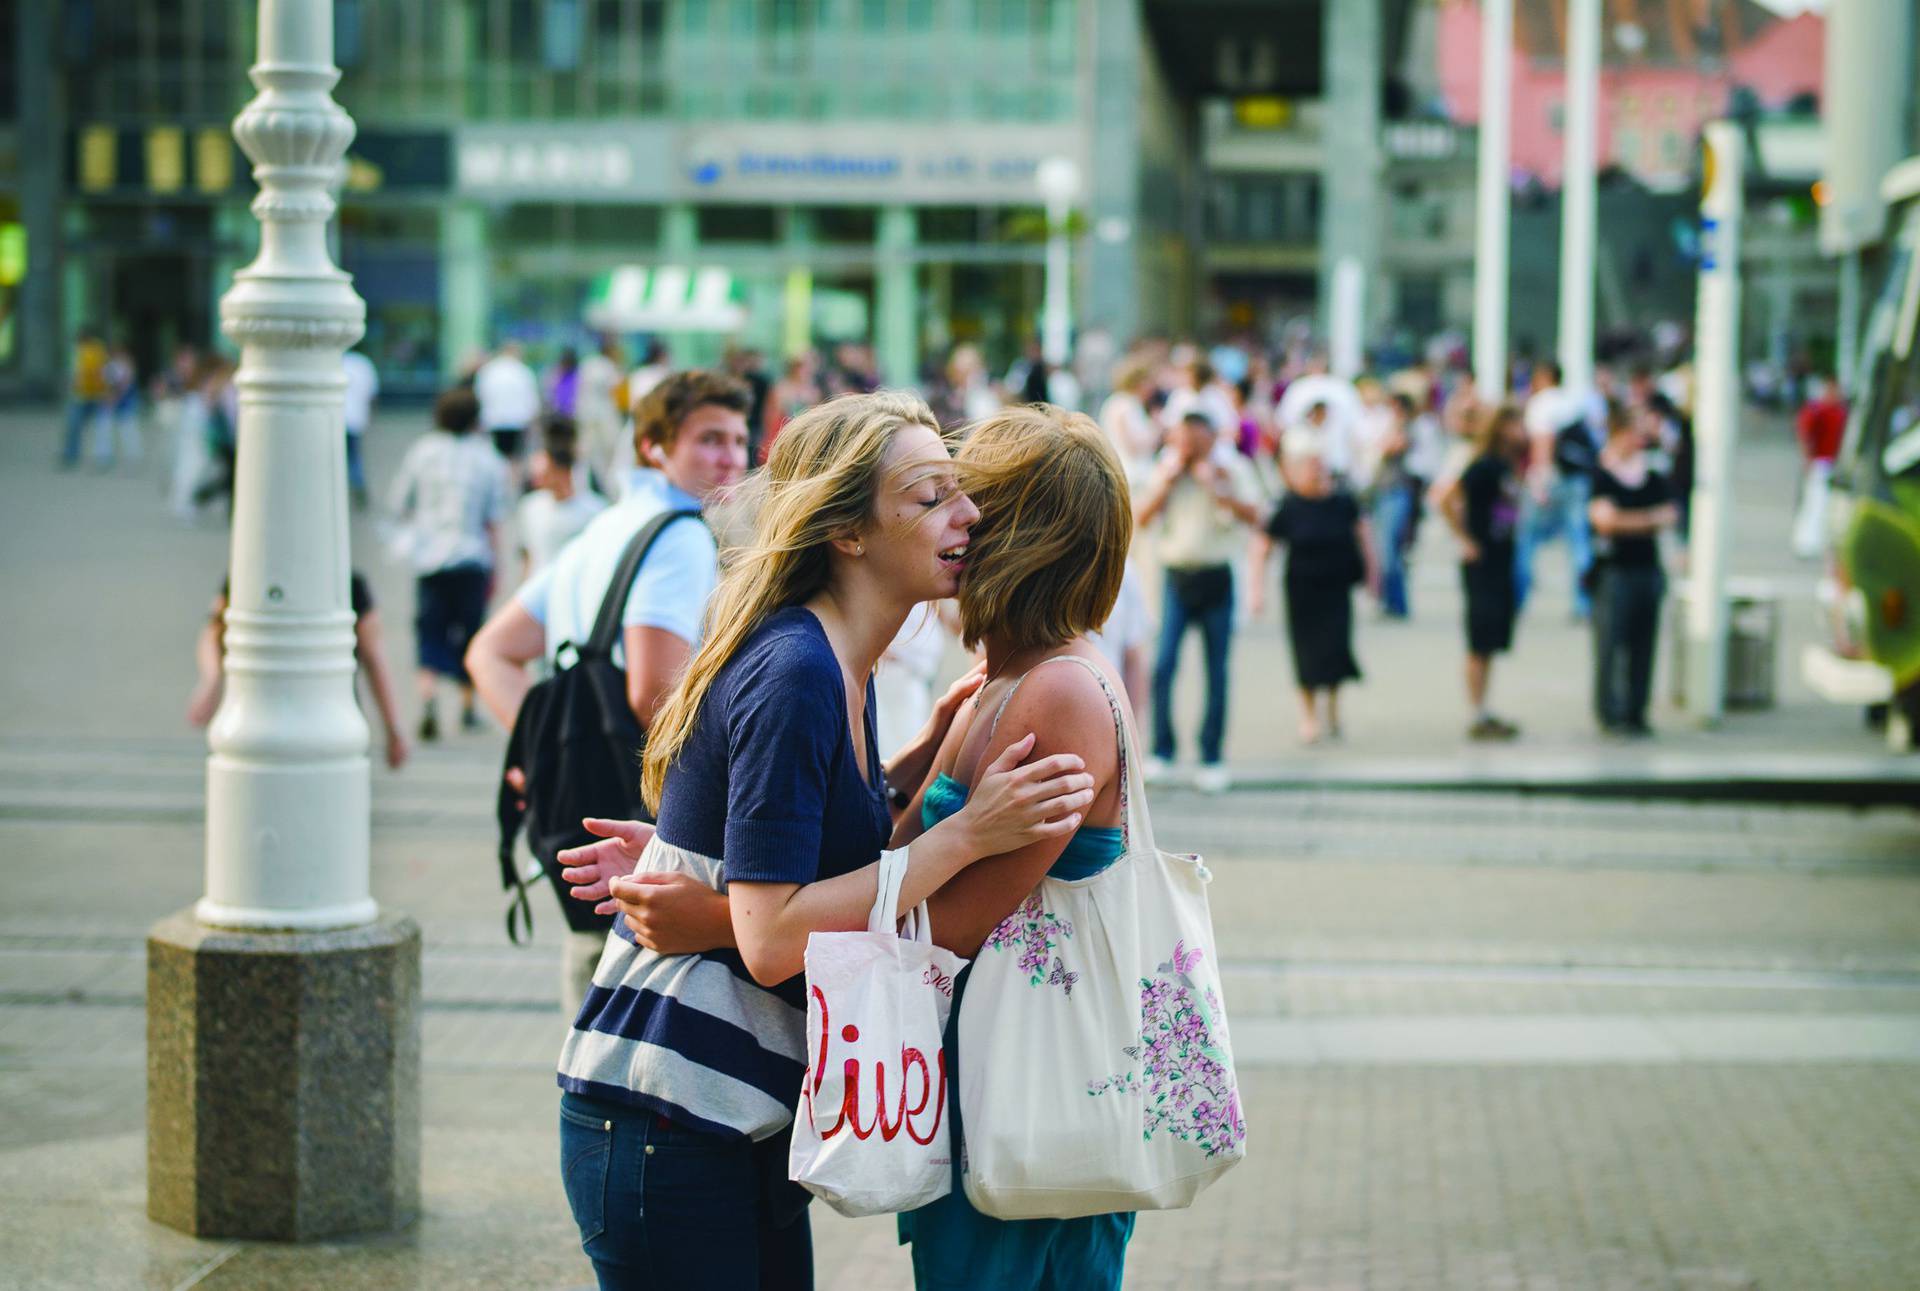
(780, 173)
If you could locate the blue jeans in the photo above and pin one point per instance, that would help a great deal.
(1392, 515)
(1215, 621)
(1562, 515)
(81, 414)
(661, 1206)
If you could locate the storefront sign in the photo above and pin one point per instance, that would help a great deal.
(863, 163)
(625, 163)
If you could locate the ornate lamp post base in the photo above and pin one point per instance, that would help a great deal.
(283, 1013)
(283, 1080)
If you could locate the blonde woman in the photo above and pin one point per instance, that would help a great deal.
(680, 1071)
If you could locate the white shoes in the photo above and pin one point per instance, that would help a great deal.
(1159, 771)
(1213, 778)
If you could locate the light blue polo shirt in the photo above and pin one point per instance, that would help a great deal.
(673, 585)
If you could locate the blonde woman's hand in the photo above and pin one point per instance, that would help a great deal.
(1014, 805)
(592, 868)
(672, 914)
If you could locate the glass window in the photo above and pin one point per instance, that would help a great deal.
(737, 224)
(560, 35)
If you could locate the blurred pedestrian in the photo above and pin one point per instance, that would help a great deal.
(1131, 428)
(903, 679)
(1391, 504)
(797, 390)
(1482, 505)
(369, 654)
(556, 506)
(1199, 505)
(597, 413)
(1632, 504)
(1123, 640)
(562, 391)
(449, 499)
(1821, 426)
(363, 387)
(87, 400)
(220, 432)
(1320, 524)
(509, 396)
(1561, 454)
(119, 425)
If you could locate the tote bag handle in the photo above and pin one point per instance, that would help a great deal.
(915, 926)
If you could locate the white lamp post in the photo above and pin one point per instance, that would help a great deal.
(1059, 181)
(283, 1027)
(1492, 210)
(1716, 417)
(1577, 195)
(287, 784)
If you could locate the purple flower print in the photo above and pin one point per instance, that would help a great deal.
(1035, 932)
(1188, 1088)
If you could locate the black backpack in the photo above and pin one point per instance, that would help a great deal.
(579, 745)
(1573, 449)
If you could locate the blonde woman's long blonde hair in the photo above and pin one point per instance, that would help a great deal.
(821, 482)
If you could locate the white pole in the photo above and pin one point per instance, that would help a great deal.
(287, 781)
(1345, 350)
(1847, 348)
(1058, 178)
(1491, 219)
(1716, 411)
(1577, 197)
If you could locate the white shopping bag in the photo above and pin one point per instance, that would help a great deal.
(870, 1134)
(1095, 1071)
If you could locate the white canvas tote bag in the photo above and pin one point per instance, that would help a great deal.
(1095, 1071)
(870, 1134)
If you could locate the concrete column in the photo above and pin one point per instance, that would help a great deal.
(465, 299)
(1111, 260)
(1578, 162)
(896, 298)
(1059, 183)
(1716, 418)
(42, 139)
(1494, 207)
(679, 233)
(1350, 167)
(283, 1012)
(796, 237)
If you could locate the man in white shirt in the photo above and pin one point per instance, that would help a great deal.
(448, 500)
(363, 386)
(1201, 506)
(509, 397)
(691, 433)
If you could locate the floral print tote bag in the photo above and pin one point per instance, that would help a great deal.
(1095, 1072)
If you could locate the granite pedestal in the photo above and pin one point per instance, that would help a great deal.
(283, 1079)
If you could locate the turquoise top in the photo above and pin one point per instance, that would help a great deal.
(1090, 850)
(955, 1246)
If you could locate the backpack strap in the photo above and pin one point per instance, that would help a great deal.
(606, 626)
(1135, 829)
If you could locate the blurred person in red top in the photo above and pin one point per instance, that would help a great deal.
(1822, 424)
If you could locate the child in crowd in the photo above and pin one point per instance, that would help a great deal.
(209, 656)
(557, 506)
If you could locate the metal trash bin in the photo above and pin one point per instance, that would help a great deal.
(1753, 642)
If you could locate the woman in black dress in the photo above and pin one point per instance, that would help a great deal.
(1328, 552)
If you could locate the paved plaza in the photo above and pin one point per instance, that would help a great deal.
(1488, 1040)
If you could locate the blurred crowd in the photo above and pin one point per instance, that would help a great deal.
(1241, 455)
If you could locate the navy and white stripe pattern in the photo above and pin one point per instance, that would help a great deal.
(692, 1037)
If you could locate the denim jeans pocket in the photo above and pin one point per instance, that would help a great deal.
(586, 1154)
